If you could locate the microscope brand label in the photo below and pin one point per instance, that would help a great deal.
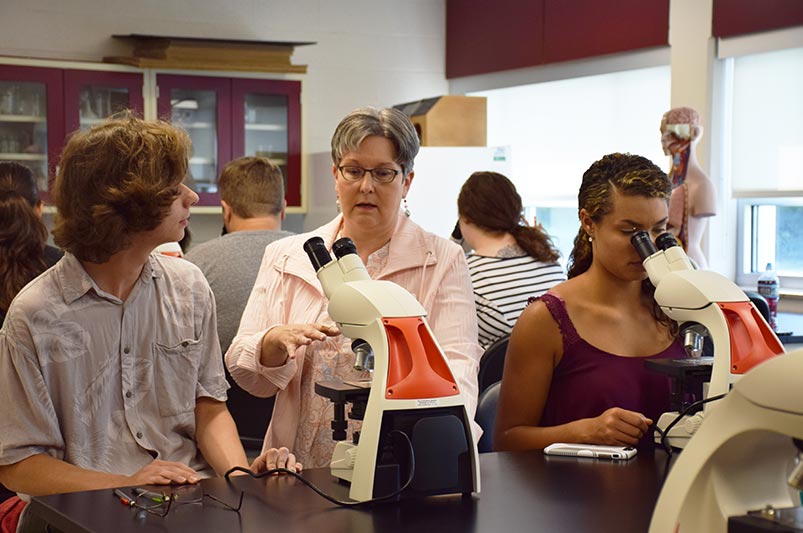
(432, 402)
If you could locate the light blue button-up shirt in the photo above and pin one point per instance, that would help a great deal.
(104, 384)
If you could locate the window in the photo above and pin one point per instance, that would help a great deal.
(766, 162)
(556, 129)
(770, 233)
(560, 222)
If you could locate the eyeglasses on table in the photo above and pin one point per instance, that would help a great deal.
(160, 503)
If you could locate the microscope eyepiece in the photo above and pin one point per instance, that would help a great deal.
(643, 244)
(318, 254)
(665, 241)
(343, 247)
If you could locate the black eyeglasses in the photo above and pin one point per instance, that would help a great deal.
(379, 175)
(160, 503)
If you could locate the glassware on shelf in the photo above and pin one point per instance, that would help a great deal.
(7, 100)
(23, 127)
(99, 102)
(85, 111)
(196, 112)
(13, 144)
(266, 127)
(22, 99)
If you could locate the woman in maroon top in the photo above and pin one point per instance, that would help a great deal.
(574, 368)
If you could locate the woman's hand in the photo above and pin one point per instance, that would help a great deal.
(275, 458)
(617, 427)
(281, 342)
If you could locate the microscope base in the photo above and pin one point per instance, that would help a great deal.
(439, 439)
(775, 520)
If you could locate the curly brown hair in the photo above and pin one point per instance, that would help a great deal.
(115, 180)
(22, 233)
(503, 214)
(630, 175)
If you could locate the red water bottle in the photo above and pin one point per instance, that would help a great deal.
(768, 285)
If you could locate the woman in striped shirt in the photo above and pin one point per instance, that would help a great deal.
(511, 261)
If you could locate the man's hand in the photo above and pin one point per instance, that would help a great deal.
(275, 458)
(281, 342)
(164, 473)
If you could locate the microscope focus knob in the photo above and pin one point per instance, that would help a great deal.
(351, 456)
(692, 423)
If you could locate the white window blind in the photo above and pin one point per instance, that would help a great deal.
(767, 119)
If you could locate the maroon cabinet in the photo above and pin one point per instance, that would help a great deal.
(483, 37)
(32, 119)
(40, 106)
(232, 117)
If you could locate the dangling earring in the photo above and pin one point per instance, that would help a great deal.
(406, 207)
(590, 238)
(337, 203)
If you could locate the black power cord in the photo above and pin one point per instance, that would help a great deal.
(665, 433)
(332, 499)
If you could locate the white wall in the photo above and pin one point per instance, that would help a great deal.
(368, 52)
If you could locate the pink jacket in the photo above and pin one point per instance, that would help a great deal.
(287, 291)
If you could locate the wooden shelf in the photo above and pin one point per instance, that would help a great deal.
(194, 125)
(265, 127)
(14, 156)
(23, 118)
(157, 51)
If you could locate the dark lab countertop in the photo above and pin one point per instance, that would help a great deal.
(792, 324)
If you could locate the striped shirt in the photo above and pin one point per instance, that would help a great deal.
(502, 286)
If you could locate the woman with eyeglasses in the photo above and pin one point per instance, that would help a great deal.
(287, 342)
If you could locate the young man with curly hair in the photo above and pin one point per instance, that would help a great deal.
(110, 367)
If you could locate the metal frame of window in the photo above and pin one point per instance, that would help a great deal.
(747, 269)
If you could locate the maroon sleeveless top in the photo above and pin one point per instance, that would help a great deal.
(588, 381)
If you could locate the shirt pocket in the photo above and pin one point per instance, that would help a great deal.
(175, 375)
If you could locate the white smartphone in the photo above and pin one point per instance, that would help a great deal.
(597, 451)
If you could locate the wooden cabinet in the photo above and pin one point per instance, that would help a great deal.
(41, 103)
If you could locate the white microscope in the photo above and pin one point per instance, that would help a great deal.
(703, 299)
(743, 469)
(415, 438)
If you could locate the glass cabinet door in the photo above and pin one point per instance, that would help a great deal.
(202, 107)
(91, 96)
(266, 127)
(31, 125)
(266, 122)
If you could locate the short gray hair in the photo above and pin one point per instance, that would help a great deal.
(387, 122)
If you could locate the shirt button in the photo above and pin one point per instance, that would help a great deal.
(139, 434)
(126, 350)
(128, 394)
